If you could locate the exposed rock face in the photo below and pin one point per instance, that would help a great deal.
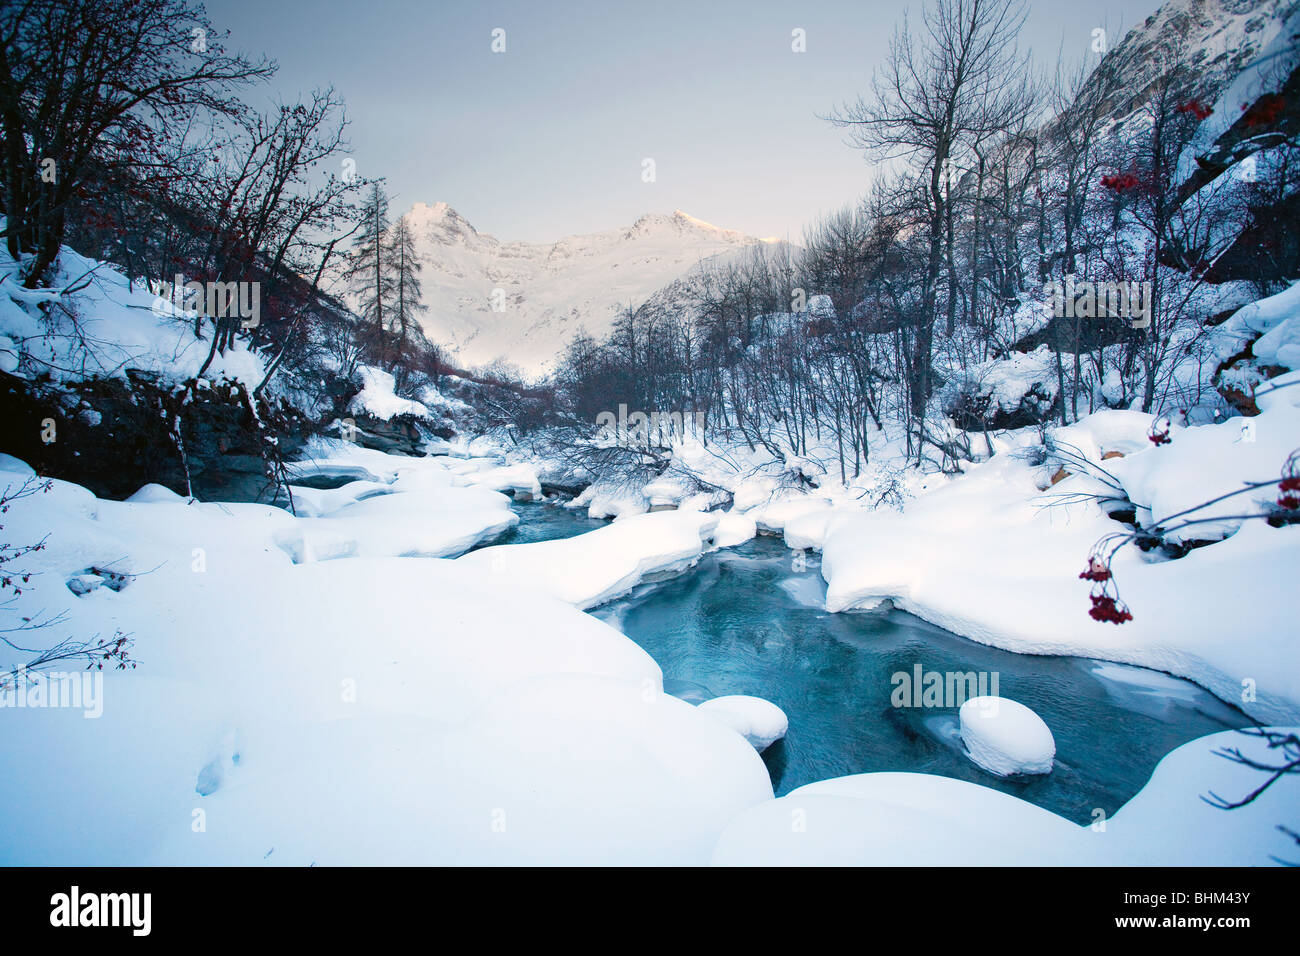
(399, 435)
(115, 435)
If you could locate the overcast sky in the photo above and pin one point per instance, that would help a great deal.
(548, 138)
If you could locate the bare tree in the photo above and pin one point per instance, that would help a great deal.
(930, 101)
(95, 84)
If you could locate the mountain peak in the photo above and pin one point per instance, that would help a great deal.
(682, 223)
(550, 289)
(441, 224)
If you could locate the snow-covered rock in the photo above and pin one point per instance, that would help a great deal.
(773, 517)
(901, 819)
(759, 721)
(1005, 737)
(519, 480)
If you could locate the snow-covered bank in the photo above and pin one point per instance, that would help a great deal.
(434, 711)
(363, 710)
(601, 565)
(995, 558)
(913, 819)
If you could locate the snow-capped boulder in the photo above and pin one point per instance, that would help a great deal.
(1005, 737)
(759, 721)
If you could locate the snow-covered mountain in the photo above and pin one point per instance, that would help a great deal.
(1212, 39)
(522, 301)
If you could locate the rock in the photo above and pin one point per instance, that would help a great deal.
(759, 721)
(1005, 737)
(133, 425)
(83, 584)
(399, 435)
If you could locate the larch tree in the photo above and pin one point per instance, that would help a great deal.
(369, 273)
(404, 266)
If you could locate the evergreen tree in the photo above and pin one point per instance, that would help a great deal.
(403, 264)
(369, 272)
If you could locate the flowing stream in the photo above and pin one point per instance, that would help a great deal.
(748, 620)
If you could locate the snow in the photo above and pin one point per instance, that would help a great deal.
(377, 397)
(154, 493)
(1111, 430)
(438, 522)
(1020, 379)
(900, 819)
(809, 528)
(547, 291)
(611, 500)
(1210, 461)
(601, 565)
(734, 529)
(317, 502)
(759, 721)
(129, 326)
(518, 479)
(421, 710)
(441, 712)
(991, 557)
(1005, 737)
(1277, 321)
(773, 516)
(914, 819)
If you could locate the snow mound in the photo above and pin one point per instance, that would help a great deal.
(773, 517)
(519, 480)
(1006, 737)
(759, 721)
(435, 523)
(152, 493)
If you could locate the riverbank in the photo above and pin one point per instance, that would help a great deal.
(425, 711)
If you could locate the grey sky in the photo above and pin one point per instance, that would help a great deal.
(547, 139)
